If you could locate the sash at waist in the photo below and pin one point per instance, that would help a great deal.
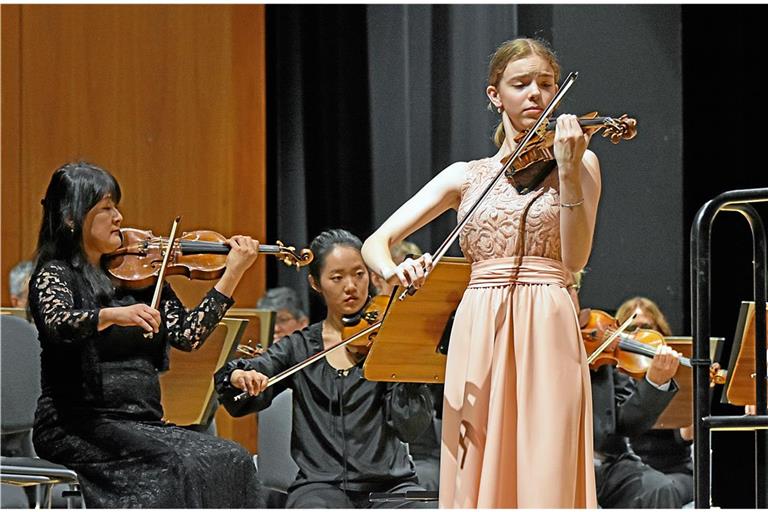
(518, 270)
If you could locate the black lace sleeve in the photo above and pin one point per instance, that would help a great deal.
(52, 303)
(187, 330)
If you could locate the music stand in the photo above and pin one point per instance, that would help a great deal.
(19, 312)
(405, 349)
(679, 412)
(261, 325)
(245, 429)
(740, 381)
(400, 497)
(187, 390)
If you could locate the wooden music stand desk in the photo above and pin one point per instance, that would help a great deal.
(679, 412)
(245, 429)
(261, 325)
(740, 382)
(405, 349)
(187, 389)
(19, 312)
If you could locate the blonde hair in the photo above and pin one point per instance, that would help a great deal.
(513, 50)
(402, 249)
(649, 308)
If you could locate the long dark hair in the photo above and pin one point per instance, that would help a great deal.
(74, 190)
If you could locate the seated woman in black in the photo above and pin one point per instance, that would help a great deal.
(349, 434)
(100, 412)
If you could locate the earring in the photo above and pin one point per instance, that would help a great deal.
(71, 229)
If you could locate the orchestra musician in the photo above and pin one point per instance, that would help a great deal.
(100, 412)
(349, 435)
(666, 450)
(517, 406)
(290, 315)
(18, 283)
(623, 406)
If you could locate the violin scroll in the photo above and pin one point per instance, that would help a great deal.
(618, 129)
(288, 255)
(250, 351)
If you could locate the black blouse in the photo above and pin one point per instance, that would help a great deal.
(100, 412)
(75, 354)
(347, 430)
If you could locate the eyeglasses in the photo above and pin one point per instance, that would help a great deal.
(284, 319)
(643, 325)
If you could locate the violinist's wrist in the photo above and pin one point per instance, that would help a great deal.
(228, 282)
(232, 377)
(569, 176)
(387, 272)
(106, 319)
(661, 387)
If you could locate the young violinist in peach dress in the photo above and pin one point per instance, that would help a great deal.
(517, 418)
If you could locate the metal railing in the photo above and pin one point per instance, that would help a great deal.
(735, 201)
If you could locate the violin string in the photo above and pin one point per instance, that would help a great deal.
(629, 342)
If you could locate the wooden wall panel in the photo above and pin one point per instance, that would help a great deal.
(169, 98)
(11, 243)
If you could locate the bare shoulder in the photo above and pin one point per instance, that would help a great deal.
(455, 171)
(452, 177)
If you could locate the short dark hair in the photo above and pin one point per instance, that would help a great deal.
(18, 277)
(280, 298)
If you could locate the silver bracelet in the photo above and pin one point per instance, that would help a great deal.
(572, 205)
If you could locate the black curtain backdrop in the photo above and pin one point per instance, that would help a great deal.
(318, 142)
(367, 103)
(724, 49)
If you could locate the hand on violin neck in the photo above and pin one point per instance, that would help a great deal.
(243, 252)
(663, 365)
(570, 144)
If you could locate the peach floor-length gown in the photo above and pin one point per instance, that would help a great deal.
(517, 414)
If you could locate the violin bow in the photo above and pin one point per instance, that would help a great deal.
(161, 274)
(440, 252)
(300, 366)
(599, 350)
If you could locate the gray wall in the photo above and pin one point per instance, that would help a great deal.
(629, 61)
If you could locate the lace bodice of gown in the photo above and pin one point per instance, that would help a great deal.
(507, 223)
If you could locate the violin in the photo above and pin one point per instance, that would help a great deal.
(371, 315)
(536, 160)
(633, 352)
(198, 255)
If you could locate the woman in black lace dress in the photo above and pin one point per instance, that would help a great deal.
(100, 412)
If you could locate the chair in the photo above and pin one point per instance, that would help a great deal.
(20, 390)
(277, 469)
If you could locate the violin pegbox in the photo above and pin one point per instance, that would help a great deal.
(623, 128)
(291, 259)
